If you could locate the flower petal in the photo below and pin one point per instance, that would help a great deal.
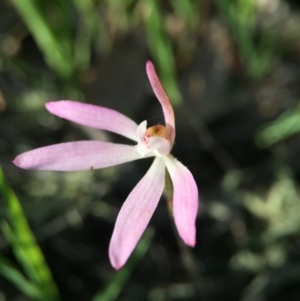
(141, 129)
(185, 199)
(160, 146)
(135, 214)
(163, 99)
(79, 155)
(94, 116)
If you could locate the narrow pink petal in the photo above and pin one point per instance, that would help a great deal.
(185, 199)
(94, 116)
(163, 98)
(141, 129)
(135, 214)
(79, 155)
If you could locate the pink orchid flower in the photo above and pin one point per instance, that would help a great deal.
(155, 141)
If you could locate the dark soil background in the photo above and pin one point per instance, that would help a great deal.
(237, 67)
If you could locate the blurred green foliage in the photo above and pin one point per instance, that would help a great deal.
(282, 128)
(69, 33)
(279, 213)
(54, 42)
(67, 41)
(241, 17)
(67, 48)
(40, 285)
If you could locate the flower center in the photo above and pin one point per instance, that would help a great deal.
(155, 140)
(155, 131)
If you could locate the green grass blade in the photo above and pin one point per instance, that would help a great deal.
(114, 287)
(19, 252)
(55, 55)
(24, 243)
(88, 22)
(282, 128)
(11, 273)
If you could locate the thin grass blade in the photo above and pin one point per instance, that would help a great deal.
(24, 244)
